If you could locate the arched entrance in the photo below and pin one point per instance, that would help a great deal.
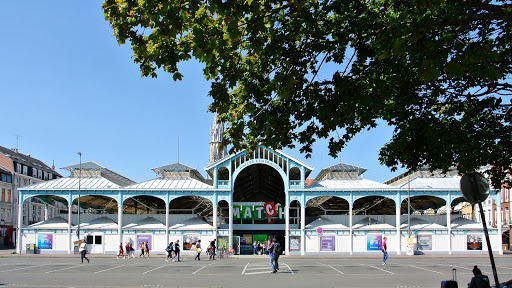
(255, 219)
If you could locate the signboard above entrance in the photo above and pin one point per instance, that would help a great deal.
(259, 212)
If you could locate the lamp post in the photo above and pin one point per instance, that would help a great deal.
(79, 183)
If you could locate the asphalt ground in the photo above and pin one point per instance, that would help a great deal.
(254, 271)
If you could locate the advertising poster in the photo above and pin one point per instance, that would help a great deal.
(327, 243)
(143, 238)
(475, 242)
(45, 241)
(246, 239)
(188, 239)
(222, 242)
(424, 242)
(259, 237)
(373, 242)
(294, 243)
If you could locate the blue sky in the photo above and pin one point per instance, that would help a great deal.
(67, 86)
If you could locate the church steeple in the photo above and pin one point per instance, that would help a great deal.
(216, 132)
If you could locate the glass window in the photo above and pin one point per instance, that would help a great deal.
(25, 170)
(97, 239)
(9, 195)
(507, 192)
(3, 194)
(89, 239)
(2, 215)
(8, 215)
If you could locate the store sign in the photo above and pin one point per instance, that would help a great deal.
(268, 210)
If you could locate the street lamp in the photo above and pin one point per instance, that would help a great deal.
(79, 182)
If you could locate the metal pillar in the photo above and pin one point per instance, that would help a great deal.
(398, 231)
(69, 226)
(20, 219)
(302, 229)
(230, 241)
(215, 225)
(120, 222)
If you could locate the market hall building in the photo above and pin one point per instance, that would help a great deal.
(252, 197)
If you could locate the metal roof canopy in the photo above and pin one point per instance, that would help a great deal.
(93, 166)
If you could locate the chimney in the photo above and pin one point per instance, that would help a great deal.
(15, 150)
(53, 165)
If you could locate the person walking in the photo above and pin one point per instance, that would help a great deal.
(83, 251)
(384, 251)
(198, 250)
(121, 251)
(141, 250)
(127, 250)
(271, 256)
(169, 250)
(276, 250)
(480, 280)
(176, 250)
(146, 247)
(254, 247)
(212, 249)
(132, 251)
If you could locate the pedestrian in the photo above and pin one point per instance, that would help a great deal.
(141, 250)
(255, 247)
(127, 250)
(479, 281)
(147, 249)
(169, 250)
(198, 250)
(212, 249)
(384, 251)
(265, 246)
(176, 250)
(271, 256)
(132, 250)
(121, 251)
(276, 250)
(83, 251)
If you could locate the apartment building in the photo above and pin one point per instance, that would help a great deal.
(16, 171)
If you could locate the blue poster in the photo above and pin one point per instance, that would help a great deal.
(45, 241)
(373, 242)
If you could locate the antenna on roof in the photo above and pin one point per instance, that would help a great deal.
(17, 140)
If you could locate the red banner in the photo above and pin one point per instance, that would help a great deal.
(270, 209)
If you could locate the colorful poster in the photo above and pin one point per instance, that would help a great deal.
(259, 237)
(424, 242)
(188, 239)
(45, 241)
(246, 239)
(327, 243)
(373, 242)
(222, 242)
(143, 238)
(474, 242)
(294, 243)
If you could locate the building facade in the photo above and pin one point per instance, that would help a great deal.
(18, 170)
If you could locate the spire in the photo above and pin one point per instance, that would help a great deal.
(216, 136)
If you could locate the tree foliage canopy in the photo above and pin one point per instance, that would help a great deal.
(437, 71)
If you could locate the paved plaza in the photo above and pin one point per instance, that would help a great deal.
(253, 271)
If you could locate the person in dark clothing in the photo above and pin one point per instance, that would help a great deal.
(198, 250)
(479, 281)
(169, 250)
(212, 249)
(176, 250)
(277, 248)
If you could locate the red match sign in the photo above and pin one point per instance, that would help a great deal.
(270, 209)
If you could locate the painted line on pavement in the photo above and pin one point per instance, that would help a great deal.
(21, 268)
(203, 268)
(322, 264)
(63, 269)
(289, 268)
(155, 269)
(108, 269)
(245, 268)
(425, 269)
(381, 269)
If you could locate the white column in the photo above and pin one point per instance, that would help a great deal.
(46, 212)
(120, 223)
(230, 241)
(287, 228)
(20, 219)
(350, 227)
(215, 225)
(302, 229)
(499, 220)
(449, 222)
(70, 207)
(167, 223)
(398, 232)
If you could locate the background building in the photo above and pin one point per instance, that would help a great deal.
(18, 170)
